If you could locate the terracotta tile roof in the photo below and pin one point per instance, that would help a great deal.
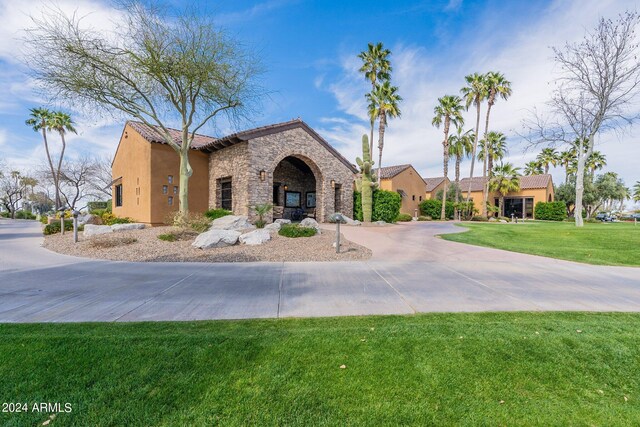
(432, 183)
(526, 182)
(152, 134)
(388, 172)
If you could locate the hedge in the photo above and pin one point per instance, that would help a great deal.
(433, 208)
(54, 227)
(403, 217)
(386, 206)
(551, 211)
(295, 230)
(213, 214)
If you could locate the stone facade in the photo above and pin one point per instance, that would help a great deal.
(244, 161)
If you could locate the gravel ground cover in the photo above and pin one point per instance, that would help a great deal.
(144, 245)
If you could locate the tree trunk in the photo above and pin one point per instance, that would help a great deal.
(445, 168)
(185, 174)
(371, 140)
(458, 160)
(485, 192)
(546, 168)
(577, 211)
(381, 126)
(53, 171)
(57, 179)
(500, 208)
(475, 149)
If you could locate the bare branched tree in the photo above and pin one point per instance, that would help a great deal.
(100, 183)
(13, 189)
(156, 67)
(600, 79)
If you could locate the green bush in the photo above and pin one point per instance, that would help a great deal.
(433, 208)
(403, 217)
(551, 211)
(24, 215)
(217, 213)
(479, 218)
(425, 218)
(260, 223)
(168, 237)
(294, 230)
(93, 207)
(386, 205)
(44, 219)
(98, 212)
(5, 215)
(54, 227)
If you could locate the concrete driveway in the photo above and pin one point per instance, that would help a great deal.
(411, 271)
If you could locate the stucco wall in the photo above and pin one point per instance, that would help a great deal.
(538, 195)
(410, 181)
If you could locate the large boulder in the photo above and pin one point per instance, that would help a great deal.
(275, 227)
(350, 221)
(232, 222)
(310, 223)
(255, 237)
(94, 230)
(216, 239)
(282, 221)
(131, 226)
(86, 219)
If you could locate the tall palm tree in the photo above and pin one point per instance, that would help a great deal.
(460, 146)
(497, 87)
(386, 99)
(636, 192)
(548, 156)
(596, 161)
(375, 67)
(474, 93)
(447, 112)
(496, 149)
(39, 120)
(62, 123)
(566, 158)
(533, 168)
(506, 179)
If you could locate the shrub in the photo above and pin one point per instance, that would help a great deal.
(98, 212)
(44, 219)
(425, 218)
(178, 234)
(5, 215)
(403, 217)
(54, 227)
(217, 213)
(261, 210)
(260, 223)
(551, 211)
(109, 219)
(479, 218)
(97, 206)
(386, 205)
(24, 215)
(294, 230)
(167, 237)
(191, 221)
(433, 208)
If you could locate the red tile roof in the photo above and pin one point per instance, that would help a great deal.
(526, 182)
(153, 134)
(388, 172)
(432, 183)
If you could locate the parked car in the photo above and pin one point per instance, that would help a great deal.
(635, 216)
(605, 217)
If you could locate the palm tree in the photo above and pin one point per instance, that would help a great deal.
(474, 93)
(39, 120)
(460, 146)
(548, 156)
(505, 180)
(62, 123)
(386, 99)
(566, 158)
(496, 86)
(636, 192)
(533, 168)
(596, 161)
(376, 67)
(448, 111)
(497, 149)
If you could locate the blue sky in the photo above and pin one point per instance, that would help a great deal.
(309, 50)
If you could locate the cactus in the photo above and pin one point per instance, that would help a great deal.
(366, 183)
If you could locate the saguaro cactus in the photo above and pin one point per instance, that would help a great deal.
(366, 181)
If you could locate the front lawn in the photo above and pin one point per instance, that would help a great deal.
(436, 369)
(595, 243)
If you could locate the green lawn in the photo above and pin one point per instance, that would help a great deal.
(597, 243)
(437, 369)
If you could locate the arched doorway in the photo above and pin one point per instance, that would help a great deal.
(296, 189)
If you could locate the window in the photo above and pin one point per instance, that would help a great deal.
(413, 197)
(175, 189)
(337, 202)
(292, 199)
(119, 195)
(311, 199)
(170, 178)
(170, 200)
(420, 198)
(165, 189)
(224, 193)
(276, 194)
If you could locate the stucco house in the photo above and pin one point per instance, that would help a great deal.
(434, 185)
(287, 164)
(405, 180)
(533, 189)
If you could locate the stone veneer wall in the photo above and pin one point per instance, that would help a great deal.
(231, 162)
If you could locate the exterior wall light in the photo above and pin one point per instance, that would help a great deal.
(333, 183)
(285, 187)
(263, 175)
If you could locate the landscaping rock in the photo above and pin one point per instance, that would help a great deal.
(504, 221)
(350, 221)
(132, 226)
(380, 223)
(310, 223)
(232, 222)
(273, 227)
(216, 239)
(255, 237)
(282, 221)
(94, 230)
(86, 219)
(493, 219)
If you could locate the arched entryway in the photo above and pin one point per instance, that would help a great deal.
(296, 188)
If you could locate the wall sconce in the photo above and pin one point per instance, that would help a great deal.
(285, 187)
(333, 184)
(263, 175)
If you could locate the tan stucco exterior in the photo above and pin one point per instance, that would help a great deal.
(538, 194)
(433, 193)
(144, 168)
(411, 183)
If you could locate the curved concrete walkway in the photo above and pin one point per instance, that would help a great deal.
(411, 271)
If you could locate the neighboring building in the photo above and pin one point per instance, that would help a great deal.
(434, 185)
(407, 182)
(533, 189)
(287, 164)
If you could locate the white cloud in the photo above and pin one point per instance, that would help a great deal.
(525, 59)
